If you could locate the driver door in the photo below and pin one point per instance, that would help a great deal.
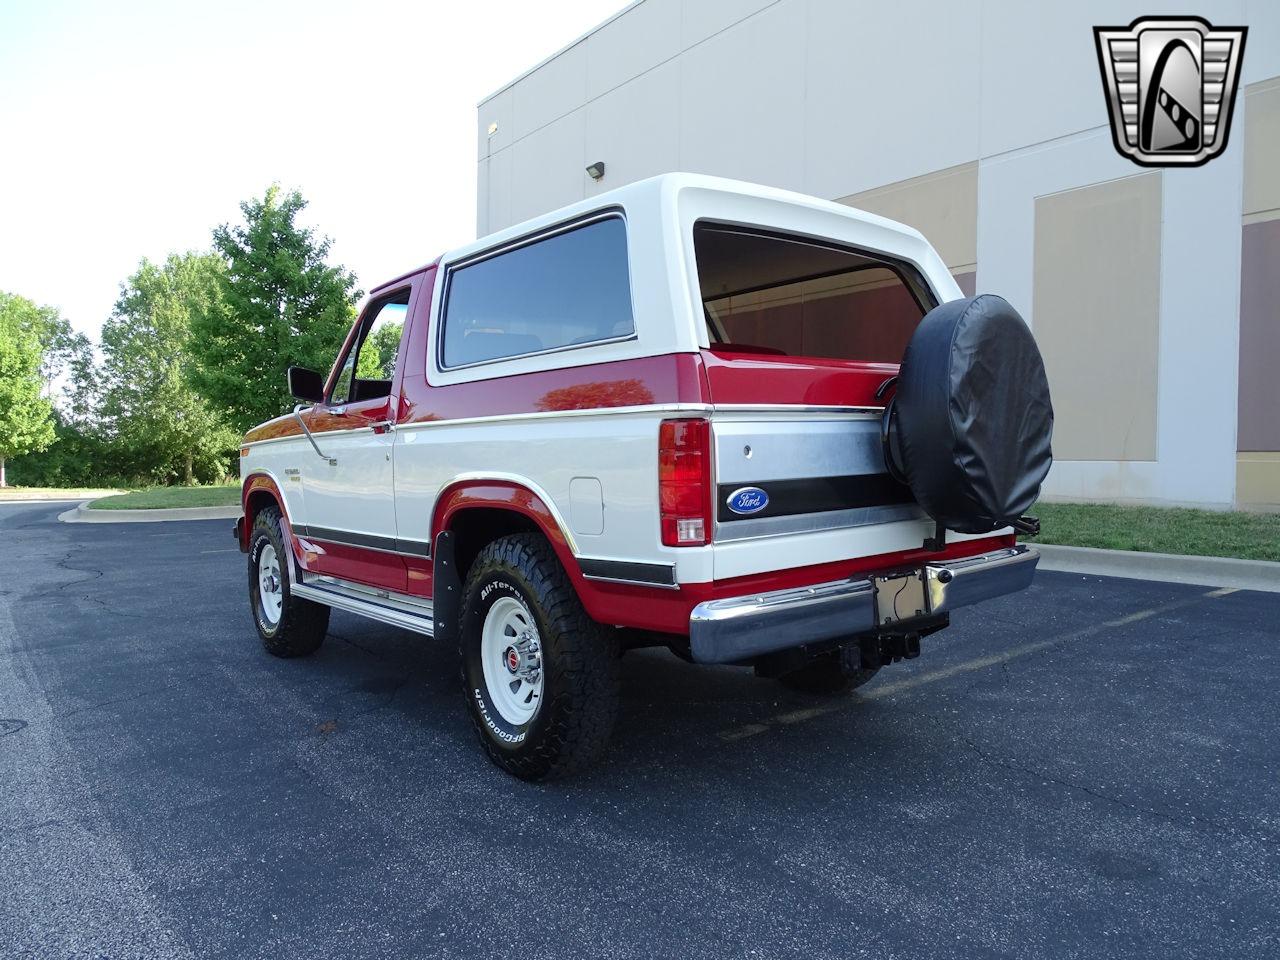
(350, 495)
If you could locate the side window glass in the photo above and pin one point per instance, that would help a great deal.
(342, 389)
(367, 370)
(566, 290)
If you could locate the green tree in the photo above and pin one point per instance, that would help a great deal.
(80, 457)
(378, 355)
(26, 415)
(68, 370)
(162, 427)
(280, 304)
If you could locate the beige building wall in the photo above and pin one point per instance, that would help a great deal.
(1262, 151)
(1096, 295)
(941, 205)
(1258, 436)
(1096, 302)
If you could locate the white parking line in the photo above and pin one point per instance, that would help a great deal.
(978, 663)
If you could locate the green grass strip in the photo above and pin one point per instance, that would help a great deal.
(1201, 533)
(167, 498)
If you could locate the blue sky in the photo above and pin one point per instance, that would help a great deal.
(130, 129)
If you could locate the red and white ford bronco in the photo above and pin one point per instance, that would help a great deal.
(749, 425)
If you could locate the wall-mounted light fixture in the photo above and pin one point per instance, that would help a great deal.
(493, 128)
(596, 170)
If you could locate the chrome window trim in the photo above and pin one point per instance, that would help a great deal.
(794, 408)
(637, 410)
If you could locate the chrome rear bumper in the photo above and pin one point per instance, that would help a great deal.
(739, 628)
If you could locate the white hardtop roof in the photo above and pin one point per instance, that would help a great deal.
(661, 214)
(659, 191)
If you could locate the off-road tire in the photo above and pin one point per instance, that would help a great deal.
(579, 702)
(302, 624)
(825, 675)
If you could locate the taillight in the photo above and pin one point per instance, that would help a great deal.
(684, 482)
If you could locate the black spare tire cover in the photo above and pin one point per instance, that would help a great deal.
(972, 417)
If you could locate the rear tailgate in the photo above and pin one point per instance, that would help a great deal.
(817, 458)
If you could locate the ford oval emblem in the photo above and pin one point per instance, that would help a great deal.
(747, 500)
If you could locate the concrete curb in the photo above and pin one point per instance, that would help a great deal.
(1162, 567)
(82, 514)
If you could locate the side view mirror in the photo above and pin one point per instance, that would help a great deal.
(306, 384)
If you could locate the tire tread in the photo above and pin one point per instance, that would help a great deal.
(303, 623)
(584, 710)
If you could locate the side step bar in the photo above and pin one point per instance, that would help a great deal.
(385, 606)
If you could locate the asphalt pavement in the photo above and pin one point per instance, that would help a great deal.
(1088, 769)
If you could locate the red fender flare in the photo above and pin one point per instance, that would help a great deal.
(503, 495)
(255, 483)
(512, 495)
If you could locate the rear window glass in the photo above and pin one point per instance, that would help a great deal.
(570, 289)
(774, 294)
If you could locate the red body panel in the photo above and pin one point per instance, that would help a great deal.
(676, 378)
(749, 378)
(412, 360)
(373, 567)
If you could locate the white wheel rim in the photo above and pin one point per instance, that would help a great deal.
(270, 590)
(511, 656)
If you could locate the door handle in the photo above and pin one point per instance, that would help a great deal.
(383, 426)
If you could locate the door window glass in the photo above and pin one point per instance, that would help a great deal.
(367, 371)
